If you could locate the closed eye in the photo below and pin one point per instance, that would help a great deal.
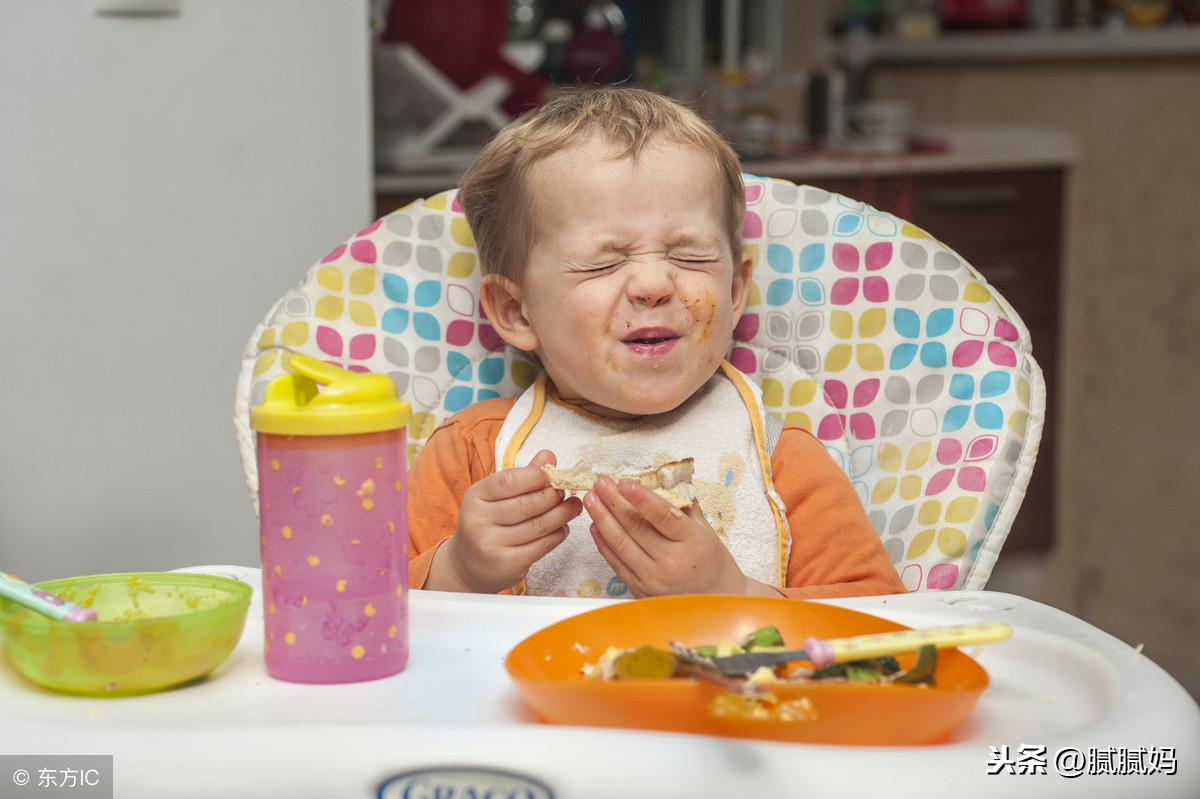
(588, 267)
(694, 260)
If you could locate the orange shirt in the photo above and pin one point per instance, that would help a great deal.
(835, 550)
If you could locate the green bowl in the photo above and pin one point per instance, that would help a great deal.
(153, 631)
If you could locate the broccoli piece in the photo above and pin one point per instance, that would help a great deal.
(763, 638)
(887, 664)
(866, 671)
(922, 671)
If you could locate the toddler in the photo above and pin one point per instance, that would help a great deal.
(608, 225)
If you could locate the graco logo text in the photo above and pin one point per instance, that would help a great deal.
(463, 783)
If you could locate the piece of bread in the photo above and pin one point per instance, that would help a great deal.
(671, 481)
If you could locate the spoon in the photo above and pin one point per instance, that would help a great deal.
(38, 600)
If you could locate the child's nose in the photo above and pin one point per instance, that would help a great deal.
(651, 283)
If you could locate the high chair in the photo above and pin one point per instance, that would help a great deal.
(915, 374)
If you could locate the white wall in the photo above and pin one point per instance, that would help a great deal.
(162, 181)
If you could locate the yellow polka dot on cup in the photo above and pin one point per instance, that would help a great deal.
(357, 652)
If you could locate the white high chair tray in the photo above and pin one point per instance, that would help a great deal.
(1059, 684)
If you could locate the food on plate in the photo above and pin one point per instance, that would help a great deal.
(648, 662)
(671, 481)
(645, 662)
(762, 707)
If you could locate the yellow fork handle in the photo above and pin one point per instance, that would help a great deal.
(862, 647)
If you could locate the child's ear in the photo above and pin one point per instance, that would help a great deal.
(504, 308)
(743, 270)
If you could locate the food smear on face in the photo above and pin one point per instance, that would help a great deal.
(703, 311)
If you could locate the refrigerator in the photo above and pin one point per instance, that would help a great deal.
(168, 168)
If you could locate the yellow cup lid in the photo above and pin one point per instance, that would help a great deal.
(350, 402)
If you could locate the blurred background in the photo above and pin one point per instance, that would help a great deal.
(169, 168)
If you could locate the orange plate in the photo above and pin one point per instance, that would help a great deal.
(546, 670)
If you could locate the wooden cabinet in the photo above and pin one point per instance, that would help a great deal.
(1009, 226)
(388, 200)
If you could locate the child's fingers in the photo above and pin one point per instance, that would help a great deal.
(544, 457)
(524, 544)
(540, 546)
(525, 508)
(644, 514)
(513, 496)
(518, 480)
(490, 556)
(619, 567)
(612, 518)
(658, 512)
(512, 483)
(550, 522)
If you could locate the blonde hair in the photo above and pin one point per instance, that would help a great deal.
(495, 192)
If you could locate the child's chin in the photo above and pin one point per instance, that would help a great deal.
(651, 404)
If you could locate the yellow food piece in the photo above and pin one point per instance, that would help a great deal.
(725, 648)
(645, 663)
(762, 707)
(130, 614)
(762, 676)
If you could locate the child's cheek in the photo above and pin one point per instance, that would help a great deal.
(702, 307)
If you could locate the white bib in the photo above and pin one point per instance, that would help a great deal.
(721, 427)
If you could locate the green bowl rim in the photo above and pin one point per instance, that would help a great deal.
(31, 620)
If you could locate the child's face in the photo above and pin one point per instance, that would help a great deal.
(631, 291)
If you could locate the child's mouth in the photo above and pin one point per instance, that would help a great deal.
(651, 342)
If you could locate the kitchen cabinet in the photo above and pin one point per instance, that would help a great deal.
(393, 192)
(1006, 222)
(1022, 46)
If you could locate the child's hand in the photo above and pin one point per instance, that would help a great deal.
(658, 549)
(507, 521)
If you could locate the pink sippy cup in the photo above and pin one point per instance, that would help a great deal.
(332, 489)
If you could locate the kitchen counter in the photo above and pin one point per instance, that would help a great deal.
(967, 149)
(963, 150)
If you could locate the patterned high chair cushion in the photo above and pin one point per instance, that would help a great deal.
(915, 374)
